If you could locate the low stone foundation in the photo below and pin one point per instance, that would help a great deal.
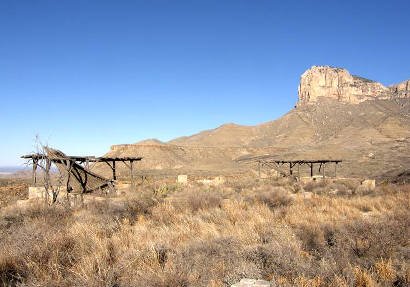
(252, 283)
(367, 185)
(36, 192)
(213, 181)
(40, 192)
(182, 178)
(122, 187)
(363, 184)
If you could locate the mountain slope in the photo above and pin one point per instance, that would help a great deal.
(368, 126)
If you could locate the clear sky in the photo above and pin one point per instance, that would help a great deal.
(84, 75)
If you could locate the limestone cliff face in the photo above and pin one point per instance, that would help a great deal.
(351, 126)
(401, 90)
(339, 84)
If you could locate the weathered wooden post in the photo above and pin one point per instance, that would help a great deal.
(311, 169)
(114, 175)
(47, 183)
(132, 175)
(324, 164)
(69, 164)
(298, 169)
(34, 175)
(335, 169)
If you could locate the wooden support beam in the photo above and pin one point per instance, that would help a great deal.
(69, 164)
(269, 160)
(114, 175)
(298, 170)
(47, 183)
(335, 169)
(34, 175)
(112, 166)
(131, 168)
(324, 170)
(132, 176)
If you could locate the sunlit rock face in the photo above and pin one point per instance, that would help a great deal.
(337, 83)
(401, 90)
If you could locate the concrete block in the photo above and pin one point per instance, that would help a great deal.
(36, 192)
(219, 180)
(367, 185)
(264, 175)
(182, 178)
(251, 283)
(205, 181)
(122, 188)
(307, 194)
(274, 173)
(215, 181)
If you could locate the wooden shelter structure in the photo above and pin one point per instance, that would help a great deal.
(79, 177)
(272, 162)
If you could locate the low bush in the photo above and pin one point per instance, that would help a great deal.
(314, 185)
(273, 198)
(194, 200)
(208, 236)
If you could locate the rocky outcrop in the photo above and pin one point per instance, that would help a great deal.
(337, 83)
(401, 90)
(371, 136)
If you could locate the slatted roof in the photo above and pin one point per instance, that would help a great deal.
(81, 158)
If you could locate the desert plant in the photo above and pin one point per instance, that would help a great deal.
(273, 198)
(207, 236)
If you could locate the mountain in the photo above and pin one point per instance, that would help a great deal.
(338, 115)
(327, 82)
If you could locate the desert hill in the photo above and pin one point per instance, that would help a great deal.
(338, 115)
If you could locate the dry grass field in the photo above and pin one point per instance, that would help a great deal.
(166, 234)
(13, 189)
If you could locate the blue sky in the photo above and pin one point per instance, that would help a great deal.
(84, 75)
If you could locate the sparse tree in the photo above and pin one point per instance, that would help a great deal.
(52, 181)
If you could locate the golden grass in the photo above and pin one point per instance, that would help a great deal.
(12, 190)
(210, 236)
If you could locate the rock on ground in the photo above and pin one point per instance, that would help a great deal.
(252, 283)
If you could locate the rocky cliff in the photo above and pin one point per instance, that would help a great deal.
(401, 90)
(371, 134)
(337, 83)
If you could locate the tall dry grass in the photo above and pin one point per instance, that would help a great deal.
(210, 236)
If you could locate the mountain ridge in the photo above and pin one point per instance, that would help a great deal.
(367, 125)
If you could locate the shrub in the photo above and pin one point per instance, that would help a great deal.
(207, 236)
(278, 259)
(11, 273)
(276, 197)
(384, 270)
(313, 238)
(130, 208)
(314, 185)
(196, 200)
(363, 279)
(340, 189)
